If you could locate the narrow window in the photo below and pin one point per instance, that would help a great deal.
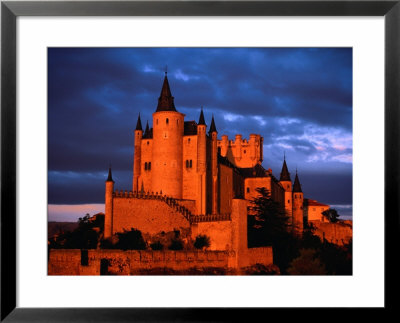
(149, 165)
(156, 121)
(145, 166)
(248, 190)
(187, 164)
(288, 201)
(147, 143)
(190, 163)
(244, 151)
(167, 121)
(189, 141)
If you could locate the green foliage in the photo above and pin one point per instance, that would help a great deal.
(331, 214)
(202, 241)
(308, 263)
(85, 236)
(176, 244)
(157, 246)
(270, 222)
(130, 240)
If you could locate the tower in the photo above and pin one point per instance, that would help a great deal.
(108, 205)
(201, 164)
(214, 167)
(286, 182)
(137, 155)
(168, 125)
(297, 217)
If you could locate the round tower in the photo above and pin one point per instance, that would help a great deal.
(201, 164)
(298, 200)
(137, 157)
(286, 183)
(108, 216)
(168, 127)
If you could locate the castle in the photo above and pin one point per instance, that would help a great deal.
(183, 176)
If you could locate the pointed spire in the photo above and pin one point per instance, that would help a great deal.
(285, 175)
(139, 124)
(166, 100)
(109, 178)
(147, 130)
(213, 128)
(201, 119)
(297, 185)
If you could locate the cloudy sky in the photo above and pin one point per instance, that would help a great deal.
(298, 99)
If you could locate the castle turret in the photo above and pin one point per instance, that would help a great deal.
(201, 164)
(168, 126)
(137, 155)
(298, 199)
(108, 205)
(286, 182)
(214, 167)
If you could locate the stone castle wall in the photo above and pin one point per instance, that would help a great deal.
(133, 262)
(339, 233)
(149, 216)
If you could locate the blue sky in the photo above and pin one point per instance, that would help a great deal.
(298, 99)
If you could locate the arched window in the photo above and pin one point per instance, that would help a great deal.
(166, 121)
(190, 163)
(145, 166)
(149, 166)
(187, 164)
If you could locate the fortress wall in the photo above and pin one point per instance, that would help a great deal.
(339, 233)
(253, 183)
(261, 255)
(190, 177)
(131, 262)
(148, 216)
(219, 232)
(225, 189)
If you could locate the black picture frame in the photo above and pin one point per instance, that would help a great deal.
(10, 10)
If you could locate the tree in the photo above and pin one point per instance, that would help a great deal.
(268, 220)
(202, 241)
(157, 245)
(331, 214)
(308, 263)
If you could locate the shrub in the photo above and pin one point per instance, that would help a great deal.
(202, 241)
(156, 245)
(176, 244)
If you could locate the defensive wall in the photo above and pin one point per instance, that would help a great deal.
(228, 237)
(339, 233)
(133, 262)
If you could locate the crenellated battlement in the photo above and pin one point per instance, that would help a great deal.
(242, 152)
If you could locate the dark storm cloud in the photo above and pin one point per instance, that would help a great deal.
(298, 99)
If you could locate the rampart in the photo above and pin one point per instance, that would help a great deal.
(339, 233)
(133, 262)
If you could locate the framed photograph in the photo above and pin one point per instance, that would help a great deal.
(136, 136)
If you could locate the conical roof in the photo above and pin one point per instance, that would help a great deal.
(166, 100)
(109, 178)
(201, 119)
(147, 131)
(212, 127)
(285, 175)
(139, 124)
(296, 185)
